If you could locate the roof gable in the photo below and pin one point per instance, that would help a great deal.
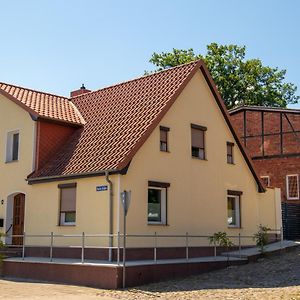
(120, 118)
(43, 105)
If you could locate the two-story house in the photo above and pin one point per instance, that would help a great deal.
(166, 137)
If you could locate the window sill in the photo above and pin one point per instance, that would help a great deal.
(234, 227)
(233, 164)
(11, 161)
(157, 224)
(165, 151)
(66, 225)
(198, 158)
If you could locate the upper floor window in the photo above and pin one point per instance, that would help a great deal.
(266, 180)
(164, 138)
(157, 202)
(230, 153)
(198, 141)
(12, 146)
(67, 214)
(292, 187)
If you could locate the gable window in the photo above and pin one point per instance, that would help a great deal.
(234, 209)
(157, 202)
(230, 153)
(292, 187)
(198, 141)
(12, 146)
(67, 215)
(164, 138)
(266, 180)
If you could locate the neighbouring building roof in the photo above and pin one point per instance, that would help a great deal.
(43, 105)
(263, 108)
(119, 119)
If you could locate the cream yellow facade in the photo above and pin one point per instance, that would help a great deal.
(13, 174)
(196, 198)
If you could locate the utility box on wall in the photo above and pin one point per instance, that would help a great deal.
(1, 223)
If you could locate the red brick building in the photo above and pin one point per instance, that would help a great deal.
(272, 137)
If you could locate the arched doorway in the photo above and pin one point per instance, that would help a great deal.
(15, 217)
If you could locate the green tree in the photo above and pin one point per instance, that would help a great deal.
(240, 81)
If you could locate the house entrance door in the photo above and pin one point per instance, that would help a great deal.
(18, 218)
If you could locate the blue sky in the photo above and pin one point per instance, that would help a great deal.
(56, 45)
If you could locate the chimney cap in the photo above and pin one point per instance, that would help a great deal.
(83, 87)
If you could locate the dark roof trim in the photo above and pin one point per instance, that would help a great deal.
(225, 113)
(71, 176)
(263, 108)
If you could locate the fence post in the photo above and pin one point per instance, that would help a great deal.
(118, 251)
(82, 248)
(240, 245)
(215, 250)
(23, 246)
(155, 247)
(281, 237)
(187, 246)
(51, 247)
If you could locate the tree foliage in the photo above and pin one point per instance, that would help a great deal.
(240, 81)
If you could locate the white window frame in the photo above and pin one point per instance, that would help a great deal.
(266, 176)
(9, 146)
(63, 220)
(163, 206)
(237, 212)
(287, 187)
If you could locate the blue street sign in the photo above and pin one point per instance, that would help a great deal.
(101, 188)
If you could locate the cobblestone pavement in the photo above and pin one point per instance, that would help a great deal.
(270, 278)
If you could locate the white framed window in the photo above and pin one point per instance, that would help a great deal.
(266, 180)
(157, 203)
(12, 146)
(67, 214)
(233, 211)
(292, 187)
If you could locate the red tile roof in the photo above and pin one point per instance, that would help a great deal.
(43, 105)
(119, 119)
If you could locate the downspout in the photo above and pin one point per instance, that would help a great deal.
(110, 229)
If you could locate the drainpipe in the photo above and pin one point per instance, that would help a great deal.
(110, 230)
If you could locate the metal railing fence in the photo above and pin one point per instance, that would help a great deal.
(186, 238)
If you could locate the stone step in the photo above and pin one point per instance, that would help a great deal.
(11, 252)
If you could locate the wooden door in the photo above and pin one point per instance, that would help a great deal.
(18, 218)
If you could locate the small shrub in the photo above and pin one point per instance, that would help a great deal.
(221, 239)
(261, 237)
(2, 246)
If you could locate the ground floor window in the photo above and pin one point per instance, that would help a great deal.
(157, 202)
(67, 215)
(233, 209)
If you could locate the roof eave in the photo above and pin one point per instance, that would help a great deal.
(44, 179)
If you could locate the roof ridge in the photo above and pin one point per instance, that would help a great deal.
(261, 107)
(32, 90)
(136, 78)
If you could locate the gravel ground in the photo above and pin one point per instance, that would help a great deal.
(270, 278)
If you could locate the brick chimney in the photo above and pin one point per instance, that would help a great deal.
(81, 91)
